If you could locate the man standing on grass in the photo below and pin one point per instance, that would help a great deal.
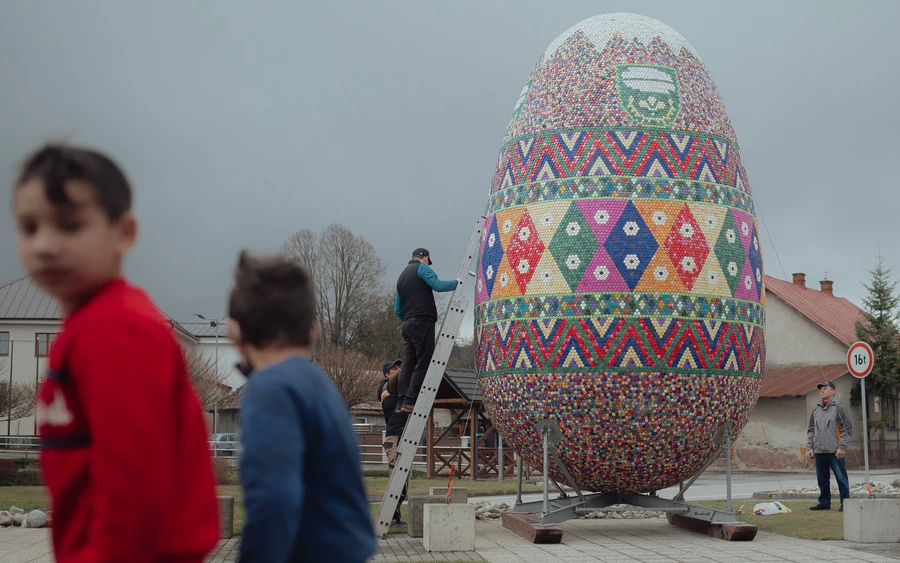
(828, 436)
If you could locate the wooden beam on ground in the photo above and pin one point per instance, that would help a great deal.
(529, 527)
(738, 531)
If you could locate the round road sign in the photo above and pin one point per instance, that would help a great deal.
(860, 359)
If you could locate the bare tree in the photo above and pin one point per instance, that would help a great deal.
(346, 271)
(378, 333)
(17, 400)
(355, 375)
(463, 354)
(209, 385)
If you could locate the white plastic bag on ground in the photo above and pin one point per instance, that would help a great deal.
(770, 508)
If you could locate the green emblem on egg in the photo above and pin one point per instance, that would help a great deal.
(649, 93)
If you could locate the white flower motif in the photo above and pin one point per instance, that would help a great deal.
(688, 264)
(745, 228)
(712, 278)
(573, 261)
(524, 233)
(659, 218)
(490, 272)
(504, 279)
(687, 231)
(632, 261)
(661, 273)
(710, 220)
(748, 283)
(729, 234)
(547, 218)
(755, 243)
(573, 228)
(601, 273)
(524, 266)
(480, 284)
(492, 240)
(631, 228)
(601, 216)
(546, 275)
(507, 225)
(732, 269)
(758, 276)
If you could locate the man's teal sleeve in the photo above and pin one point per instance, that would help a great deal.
(398, 308)
(437, 284)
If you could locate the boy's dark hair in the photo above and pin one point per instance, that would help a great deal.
(273, 301)
(55, 164)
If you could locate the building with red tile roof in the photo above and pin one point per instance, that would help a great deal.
(808, 333)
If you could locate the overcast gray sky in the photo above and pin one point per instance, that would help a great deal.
(241, 122)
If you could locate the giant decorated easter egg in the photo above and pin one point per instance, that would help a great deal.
(619, 286)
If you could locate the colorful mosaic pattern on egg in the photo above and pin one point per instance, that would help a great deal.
(620, 286)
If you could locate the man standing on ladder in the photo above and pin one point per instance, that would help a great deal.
(414, 304)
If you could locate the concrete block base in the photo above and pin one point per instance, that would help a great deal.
(872, 520)
(449, 527)
(459, 495)
(226, 517)
(415, 512)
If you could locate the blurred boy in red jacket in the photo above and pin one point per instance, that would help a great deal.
(124, 451)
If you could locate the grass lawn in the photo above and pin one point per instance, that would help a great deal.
(800, 523)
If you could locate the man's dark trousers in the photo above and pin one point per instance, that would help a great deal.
(824, 463)
(418, 347)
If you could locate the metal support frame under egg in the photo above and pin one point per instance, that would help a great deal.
(566, 507)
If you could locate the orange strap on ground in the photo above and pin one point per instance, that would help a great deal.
(450, 481)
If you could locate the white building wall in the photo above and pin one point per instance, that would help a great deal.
(792, 340)
(23, 366)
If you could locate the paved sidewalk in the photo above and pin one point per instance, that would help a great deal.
(610, 541)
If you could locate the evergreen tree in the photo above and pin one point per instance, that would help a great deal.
(879, 329)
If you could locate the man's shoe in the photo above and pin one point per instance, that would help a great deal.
(821, 507)
(397, 523)
(406, 409)
(841, 509)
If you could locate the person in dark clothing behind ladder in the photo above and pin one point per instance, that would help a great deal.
(414, 304)
(395, 422)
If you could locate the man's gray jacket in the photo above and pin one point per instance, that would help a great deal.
(829, 428)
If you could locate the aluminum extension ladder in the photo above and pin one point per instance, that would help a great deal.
(415, 425)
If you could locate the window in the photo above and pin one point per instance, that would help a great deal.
(891, 408)
(42, 344)
(4, 344)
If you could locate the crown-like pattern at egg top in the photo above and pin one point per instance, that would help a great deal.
(619, 287)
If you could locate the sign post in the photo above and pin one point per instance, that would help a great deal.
(860, 359)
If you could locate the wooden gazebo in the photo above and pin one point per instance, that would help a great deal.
(470, 443)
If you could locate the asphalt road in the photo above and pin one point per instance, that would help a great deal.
(712, 486)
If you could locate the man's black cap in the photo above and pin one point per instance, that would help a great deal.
(387, 367)
(826, 383)
(422, 252)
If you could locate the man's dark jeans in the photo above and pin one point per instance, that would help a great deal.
(418, 347)
(824, 463)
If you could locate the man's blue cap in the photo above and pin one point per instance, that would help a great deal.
(387, 367)
(826, 383)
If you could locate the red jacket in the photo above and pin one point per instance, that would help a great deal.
(125, 453)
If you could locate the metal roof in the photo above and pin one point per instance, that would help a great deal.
(23, 299)
(464, 382)
(797, 381)
(835, 315)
